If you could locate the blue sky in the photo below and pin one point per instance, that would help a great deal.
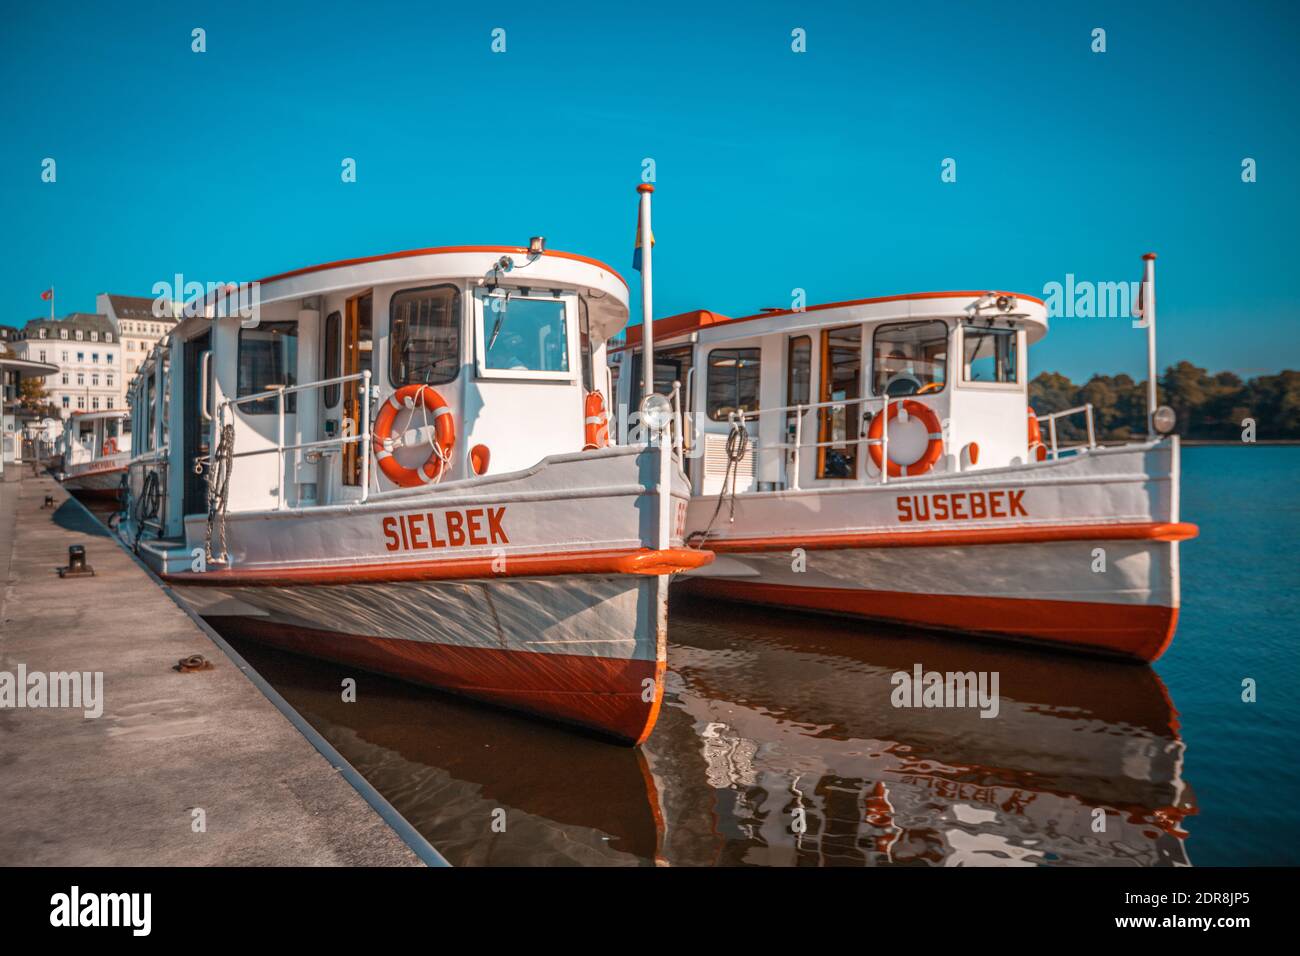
(775, 170)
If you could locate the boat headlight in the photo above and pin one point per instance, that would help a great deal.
(656, 412)
(1163, 419)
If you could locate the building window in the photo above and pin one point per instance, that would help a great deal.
(268, 358)
(109, 381)
(43, 330)
(94, 380)
(81, 378)
(81, 402)
(424, 331)
(110, 400)
(66, 401)
(81, 356)
(63, 333)
(732, 383)
(109, 358)
(78, 335)
(108, 336)
(94, 336)
(42, 355)
(94, 357)
(65, 378)
(65, 356)
(989, 355)
(94, 403)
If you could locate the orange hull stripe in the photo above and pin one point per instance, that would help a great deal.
(1139, 631)
(600, 694)
(644, 561)
(957, 537)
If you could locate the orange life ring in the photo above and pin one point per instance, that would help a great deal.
(932, 452)
(1036, 447)
(412, 397)
(110, 447)
(596, 424)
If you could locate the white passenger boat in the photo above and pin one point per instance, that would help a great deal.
(96, 447)
(983, 520)
(399, 464)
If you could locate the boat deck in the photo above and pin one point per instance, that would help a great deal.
(123, 788)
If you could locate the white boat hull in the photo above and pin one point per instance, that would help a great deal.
(1080, 554)
(539, 591)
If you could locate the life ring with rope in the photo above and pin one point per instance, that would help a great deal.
(933, 449)
(596, 422)
(411, 397)
(1037, 450)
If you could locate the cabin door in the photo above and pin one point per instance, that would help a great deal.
(358, 351)
(798, 391)
(196, 438)
(838, 426)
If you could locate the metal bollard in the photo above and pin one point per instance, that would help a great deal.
(77, 566)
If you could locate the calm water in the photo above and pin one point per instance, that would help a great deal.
(770, 713)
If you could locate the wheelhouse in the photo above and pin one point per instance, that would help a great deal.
(292, 371)
(808, 385)
(89, 436)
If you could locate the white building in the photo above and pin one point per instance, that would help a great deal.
(139, 328)
(86, 349)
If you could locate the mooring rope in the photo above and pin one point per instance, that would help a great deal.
(737, 446)
(219, 469)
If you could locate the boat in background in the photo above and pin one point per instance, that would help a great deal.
(95, 449)
(878, 458)
(398, 462)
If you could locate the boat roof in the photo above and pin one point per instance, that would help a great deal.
(607, 308)
(92, 416)
(888, 308)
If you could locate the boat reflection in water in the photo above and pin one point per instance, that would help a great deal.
(769, 713)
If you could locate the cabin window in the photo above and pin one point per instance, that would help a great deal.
(990, 355)
(910, 358)
(671, 365)
(733, 382)
(424, 332)
(333, 357)
(525, 334)
(798, 382)
(268, 360)
(584, 339)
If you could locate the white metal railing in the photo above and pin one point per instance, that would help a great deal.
(1086, 410)
(801, 409)
(883, 402)
(362, 437)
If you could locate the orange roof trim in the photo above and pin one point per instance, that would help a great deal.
(440, 250)
(697, 319)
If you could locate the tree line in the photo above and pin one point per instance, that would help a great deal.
(1208, 406)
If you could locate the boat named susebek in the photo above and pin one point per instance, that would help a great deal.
(401, 462)
(96, 448)
(879, 458)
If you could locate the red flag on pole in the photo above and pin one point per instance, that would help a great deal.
(47, 295)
